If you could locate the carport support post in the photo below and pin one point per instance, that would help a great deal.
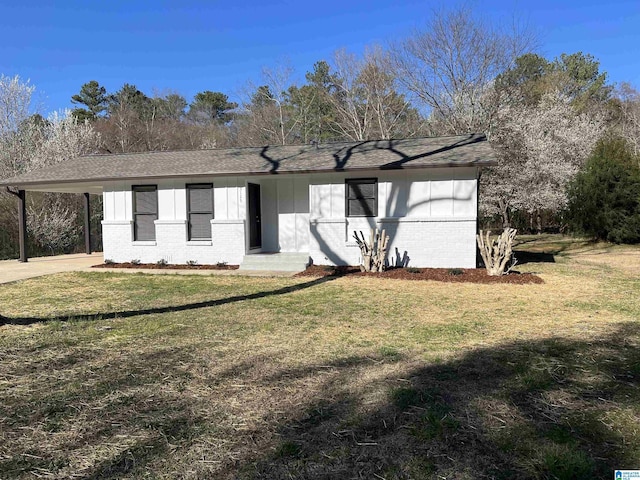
(87, 225)
(22, 225)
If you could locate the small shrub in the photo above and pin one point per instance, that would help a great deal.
(192, 263)
(221, 264)
(413, 270)
(135, 261)
(162, 262)
(108, 261)
(456, 271)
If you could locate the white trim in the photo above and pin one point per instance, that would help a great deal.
(144, 243)
(424, 219)
(233, 221)
(170, 222)
(315, 221)
(199, 243)
(117, 222)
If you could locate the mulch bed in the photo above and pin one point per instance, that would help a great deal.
(156, 266)
(458, 275)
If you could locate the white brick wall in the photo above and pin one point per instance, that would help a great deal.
(429, 214)
(171, 243)
(427, 242)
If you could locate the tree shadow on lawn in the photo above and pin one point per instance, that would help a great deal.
(524, 256)
(168, 309)
(555, 408)
(534, 245)
(101, 417)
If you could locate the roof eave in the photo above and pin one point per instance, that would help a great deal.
(18, 184)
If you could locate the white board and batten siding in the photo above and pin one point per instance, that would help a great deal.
(430, 216)
(171, 243)
(285, 220)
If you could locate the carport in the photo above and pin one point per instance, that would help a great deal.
(20, 192)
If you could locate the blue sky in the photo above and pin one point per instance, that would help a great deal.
(190, 46)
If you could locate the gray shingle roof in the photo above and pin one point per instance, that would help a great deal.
(461, 150)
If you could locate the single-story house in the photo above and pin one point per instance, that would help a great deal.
(304, 202)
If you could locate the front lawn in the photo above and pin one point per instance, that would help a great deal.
(115, 375)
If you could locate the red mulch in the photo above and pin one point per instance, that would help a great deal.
(471, 275)
(156, 266)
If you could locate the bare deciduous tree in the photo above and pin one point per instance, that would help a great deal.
(452, 61)
(350, 102)
(629, 124)
(366, 102)
(267, 116)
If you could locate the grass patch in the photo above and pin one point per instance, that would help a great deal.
(108, 375)
(288, 449)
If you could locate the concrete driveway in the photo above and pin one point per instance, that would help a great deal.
(12, 270)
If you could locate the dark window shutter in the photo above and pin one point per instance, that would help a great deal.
(200, 210)
(200, 226)
(361, 207)
(145, 212)
(145, 228)
(361, 197)
(361, 190)
(146, 201)
(200, 199)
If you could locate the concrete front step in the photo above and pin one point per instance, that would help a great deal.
(284, 262)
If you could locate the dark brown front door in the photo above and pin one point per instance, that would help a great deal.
(255, 223)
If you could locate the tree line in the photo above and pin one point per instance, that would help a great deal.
(457, 74)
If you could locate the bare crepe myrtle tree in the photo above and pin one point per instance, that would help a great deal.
(374, 251)
(497, 252)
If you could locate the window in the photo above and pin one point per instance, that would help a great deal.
(362, 197)
(145, 212)
(200, 210)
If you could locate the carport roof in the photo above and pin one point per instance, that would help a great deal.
(449, 151)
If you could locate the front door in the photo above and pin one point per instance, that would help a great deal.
(255, 221)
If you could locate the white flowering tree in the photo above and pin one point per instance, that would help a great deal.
(54, 222)
(540, 149)
(29, 141)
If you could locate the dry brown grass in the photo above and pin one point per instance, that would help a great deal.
(130, 376)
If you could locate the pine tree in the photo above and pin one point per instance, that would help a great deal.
(94, 97)
(604, 198)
